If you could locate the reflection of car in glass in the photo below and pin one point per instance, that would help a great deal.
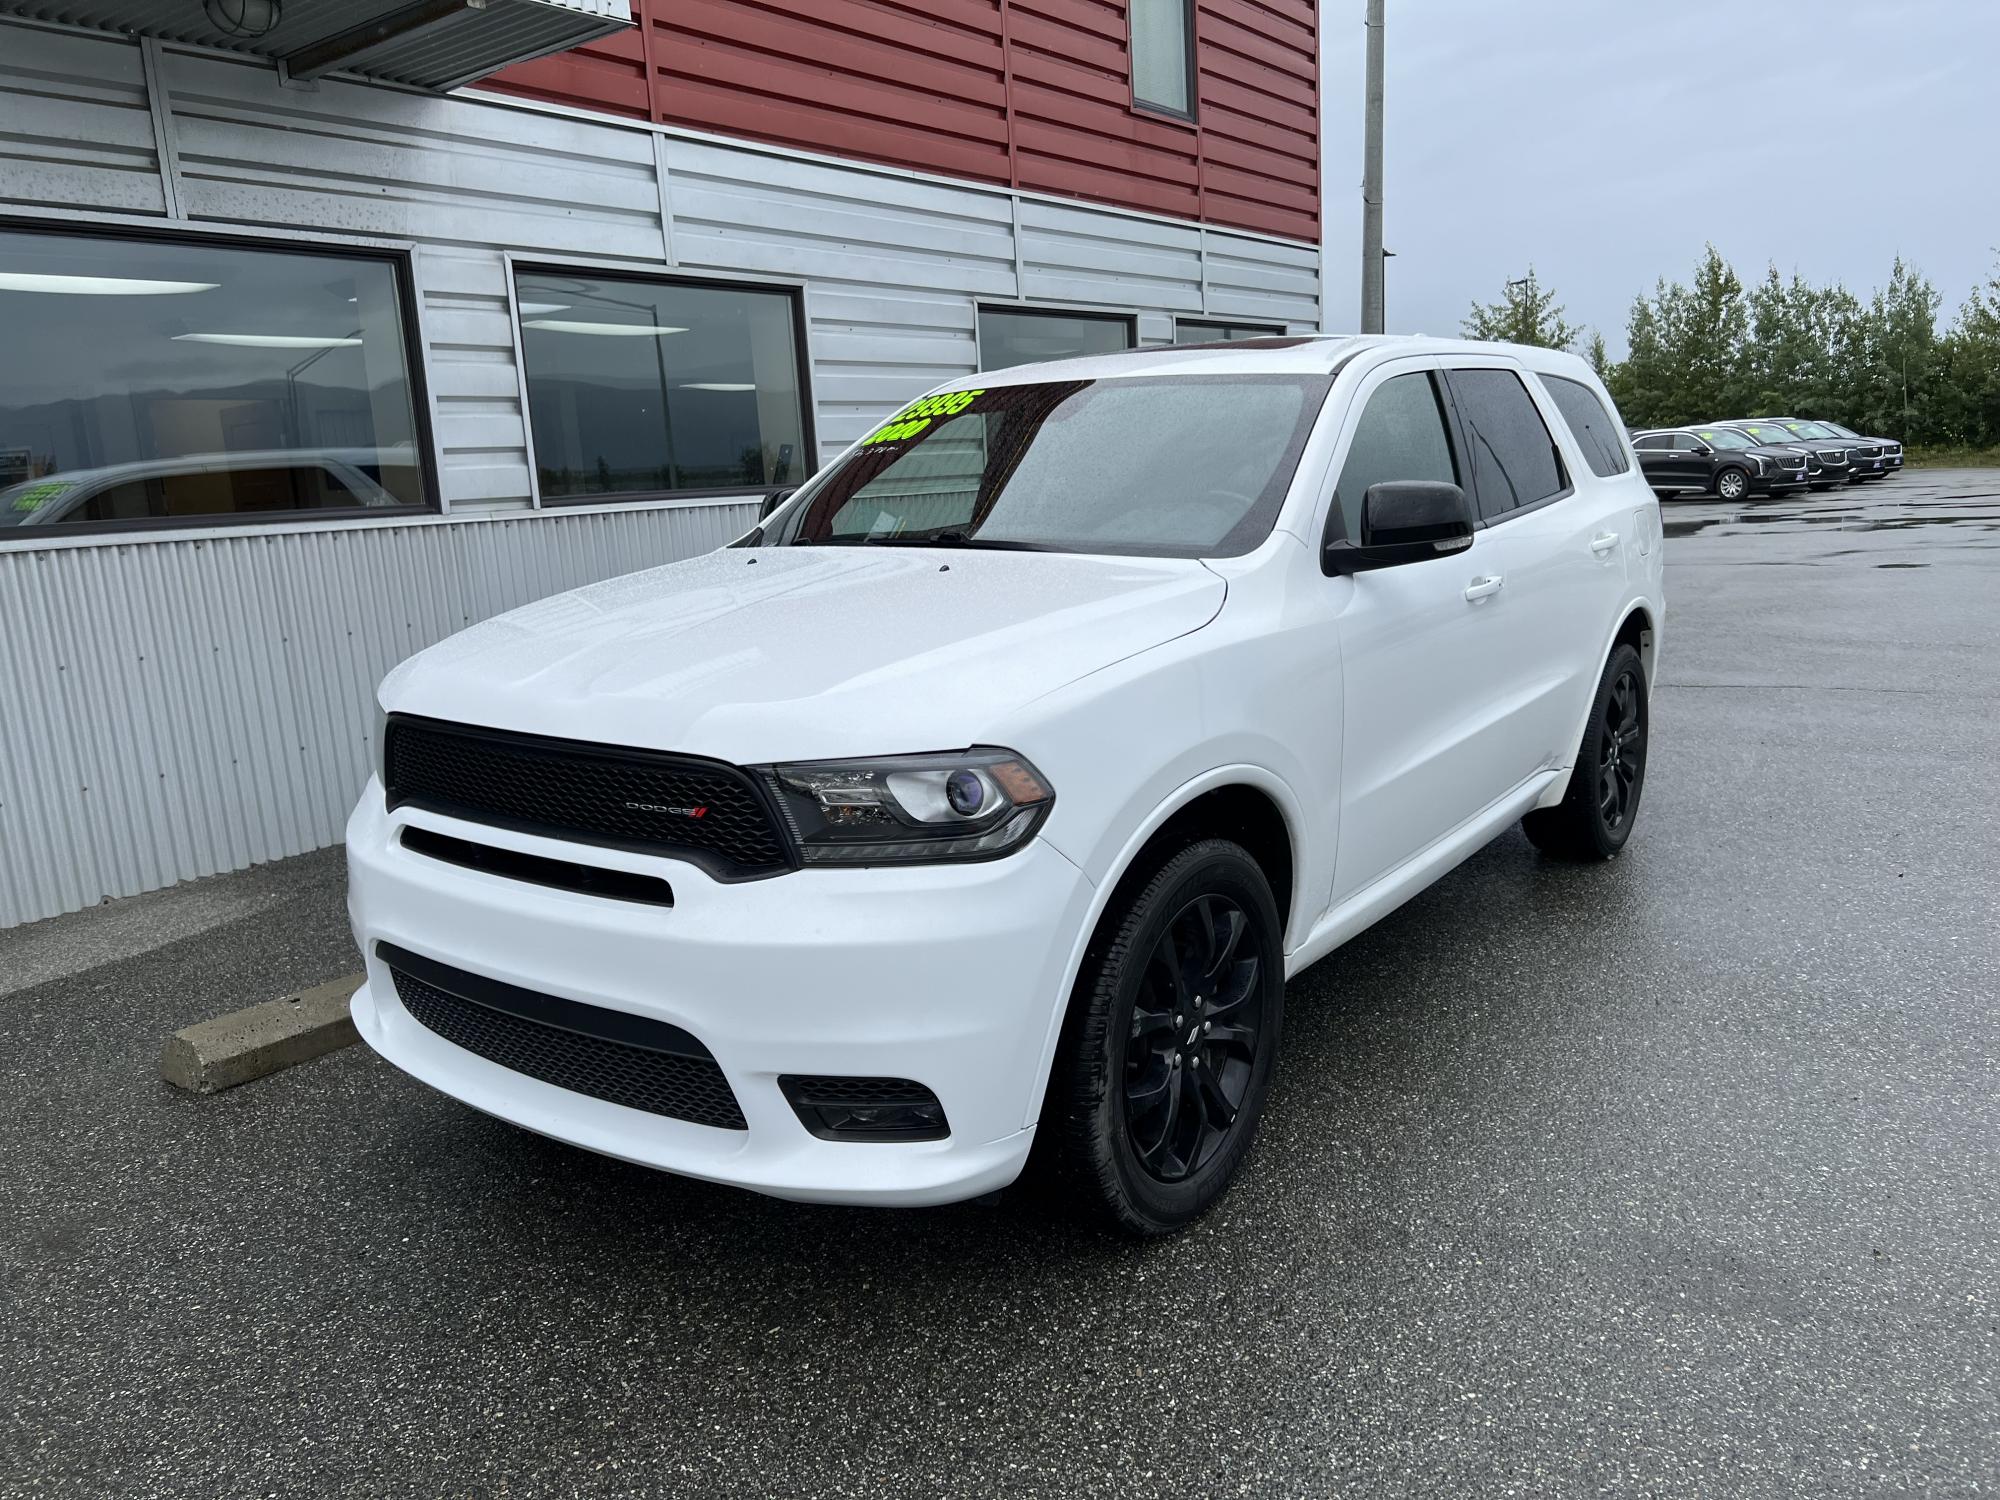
(206, 484)
(1891, 451)
(985, 794)
(1717, 461)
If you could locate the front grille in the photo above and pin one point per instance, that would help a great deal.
(712, 814)
(1871, 452)
(611, 1055)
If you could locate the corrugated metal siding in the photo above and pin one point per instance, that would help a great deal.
(75, 123)
(180, 708)
(1033, 94)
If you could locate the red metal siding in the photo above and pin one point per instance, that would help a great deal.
(1032, 93)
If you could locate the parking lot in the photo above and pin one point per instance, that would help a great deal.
(1679, 1176)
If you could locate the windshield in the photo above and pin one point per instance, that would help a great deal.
(1176, 466)
(1765, 434)
(1812, 429)
(1838, 431)
(1723, 437)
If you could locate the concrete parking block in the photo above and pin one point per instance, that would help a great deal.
(214, 1055)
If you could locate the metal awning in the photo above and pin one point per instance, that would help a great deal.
(428, 44)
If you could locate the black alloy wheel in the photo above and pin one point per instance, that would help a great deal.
(1167, 1048)
(1596, 814)
(1192, 1047)
(1621, 754)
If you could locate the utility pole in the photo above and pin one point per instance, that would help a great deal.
(1373, 265)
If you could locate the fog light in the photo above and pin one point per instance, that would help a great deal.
(865, 1109)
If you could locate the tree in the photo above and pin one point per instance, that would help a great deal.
(1595, 354)
(1527, 313)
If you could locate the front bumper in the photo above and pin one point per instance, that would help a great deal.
(948, 975)
(1778, 482)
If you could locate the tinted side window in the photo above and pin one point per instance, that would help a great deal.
(1514, 460)
(1596, 434)
(1683, 443)
(1400, 436)
(1648, 444)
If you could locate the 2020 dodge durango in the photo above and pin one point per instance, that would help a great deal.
(981, 801)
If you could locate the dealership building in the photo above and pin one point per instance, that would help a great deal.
(334, 326)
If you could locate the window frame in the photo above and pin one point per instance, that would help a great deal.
(1191, 64)
(1045, 310)
(1265, 330)
(1464, 441)
(794, 291)
(399, 256)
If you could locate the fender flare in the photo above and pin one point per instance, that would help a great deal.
(1241, 774)
(1640, 605)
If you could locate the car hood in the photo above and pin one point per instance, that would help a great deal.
(757, 654)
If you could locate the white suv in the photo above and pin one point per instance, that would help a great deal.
(984, 798)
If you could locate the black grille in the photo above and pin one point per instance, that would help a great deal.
(607, 1054)
(710, 813)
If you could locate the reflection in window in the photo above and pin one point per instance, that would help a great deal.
(1019, 336)
(160, 381)
(1198, 331)
(651, 387)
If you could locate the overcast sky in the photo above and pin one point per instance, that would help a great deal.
(1604, 141)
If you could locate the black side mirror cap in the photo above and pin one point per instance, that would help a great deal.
(773, 500)
(1404, 521)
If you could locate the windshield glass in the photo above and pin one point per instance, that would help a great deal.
(1812, 429)
(1723, 437)
(1176, 466)
(1765, 434)
(1838, 431)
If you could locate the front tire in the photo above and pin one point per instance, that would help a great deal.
(1595, 816)
(1167, 1052)
(1732, 485)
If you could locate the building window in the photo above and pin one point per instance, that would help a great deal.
(1025, 336)
(640, 387)
(166, 382)
(1163, 55)
(1199, 331)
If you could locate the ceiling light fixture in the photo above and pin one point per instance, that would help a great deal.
(243, 20)
(98, 286)
(609, 330)
(267, 340)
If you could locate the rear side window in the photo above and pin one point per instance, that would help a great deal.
(1400, 436)
(1657, 440)
(1514, 460)
(1596, 434)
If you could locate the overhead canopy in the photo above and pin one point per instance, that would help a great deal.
(428, 44)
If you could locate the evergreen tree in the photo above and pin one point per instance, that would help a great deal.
(1527, 313)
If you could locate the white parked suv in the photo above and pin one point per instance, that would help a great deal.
(981, 801)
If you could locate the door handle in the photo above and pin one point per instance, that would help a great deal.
(1603, 542)
(1481, 588)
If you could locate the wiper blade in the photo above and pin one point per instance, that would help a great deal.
(938, 539)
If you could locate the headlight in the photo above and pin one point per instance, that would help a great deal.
(912, 809)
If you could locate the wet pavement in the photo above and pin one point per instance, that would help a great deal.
(1679, 1176)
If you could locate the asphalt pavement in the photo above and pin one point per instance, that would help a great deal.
(1677, 1177)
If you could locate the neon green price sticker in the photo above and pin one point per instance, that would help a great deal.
(918, 416)
(36, 496)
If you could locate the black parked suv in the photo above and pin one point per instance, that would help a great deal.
(1890, 451)
(1718, 461)
(1836, 455)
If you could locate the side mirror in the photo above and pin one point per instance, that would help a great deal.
(1404, 521)
(1704, 450)
(773, 500)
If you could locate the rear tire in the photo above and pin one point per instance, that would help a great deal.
(1187, 974)
(1595, 816)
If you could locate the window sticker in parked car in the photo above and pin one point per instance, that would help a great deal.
(36, 496)
(918, 416)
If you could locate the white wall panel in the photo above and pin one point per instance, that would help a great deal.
(1249, 278)
(76, 127)
(177, 708)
